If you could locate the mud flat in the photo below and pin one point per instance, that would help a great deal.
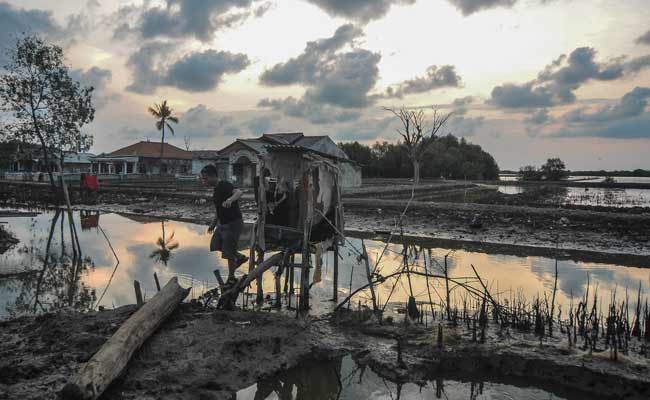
(200, 353)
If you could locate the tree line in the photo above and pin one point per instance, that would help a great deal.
(442, 156)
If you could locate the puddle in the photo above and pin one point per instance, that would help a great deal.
(344, 379)
(28, 284)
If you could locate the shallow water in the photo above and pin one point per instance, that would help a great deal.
(28, 284)
(609, 197)
(344, 379)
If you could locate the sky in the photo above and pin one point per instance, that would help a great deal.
(525, 79)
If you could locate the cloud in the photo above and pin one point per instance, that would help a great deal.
(435, 78)
(195, 72)
(305, 109)
(336, 81)
(261, 125)
(556, 84)
(202, 122)
(366, 129)
(359, 10)
(310, 64)
(632, 104)
(637, 64)
(627, 119)
(199, 72)
(191, 18)
(539, 117)
(468, 7)
(16, 21)
(99, 79)
(643, 39)
(632, 128)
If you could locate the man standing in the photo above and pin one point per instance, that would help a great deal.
(228, 220)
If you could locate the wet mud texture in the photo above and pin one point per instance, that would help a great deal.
(200, 354)
(194, 355)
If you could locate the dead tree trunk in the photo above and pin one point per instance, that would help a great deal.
(111, 360)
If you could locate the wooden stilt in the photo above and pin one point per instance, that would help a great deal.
(335, 280)
(260, 290)
(138, 293)
(306, 254)
(155, 278)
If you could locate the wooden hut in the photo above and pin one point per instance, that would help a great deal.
(299, 212)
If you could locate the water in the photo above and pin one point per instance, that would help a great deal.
(344, 379)
(28, 285)
(620, 179)
(610, 197)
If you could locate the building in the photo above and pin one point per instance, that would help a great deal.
(144, 158)
(201, 158)
(26, 161)
(239, 161)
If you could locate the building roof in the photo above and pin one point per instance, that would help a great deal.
(151, 150)
(321, 144)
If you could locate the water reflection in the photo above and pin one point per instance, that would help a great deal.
(56, 284)
(345, 379)
(164, 247)
(30, 281)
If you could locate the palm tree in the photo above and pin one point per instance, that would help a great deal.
(164, 248)
(163, 113)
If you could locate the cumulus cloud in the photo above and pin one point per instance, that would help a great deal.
(98, 78)
(204, 71)
(632, 104)
(644, 39)
(201, 122)
(191, 18)
(336, 81)
(358, 10)
(627, 119)
(468, 7)
(366, 129)
(312, 63)
(16, 21)
(539, 117)
(556, 84)
(435, 78)
(195, 72)
(261, 125)
(305, 109)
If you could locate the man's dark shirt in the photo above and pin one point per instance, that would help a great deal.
(222, 192)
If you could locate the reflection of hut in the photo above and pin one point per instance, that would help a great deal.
(89, 219)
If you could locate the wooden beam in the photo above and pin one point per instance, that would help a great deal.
(111, 360)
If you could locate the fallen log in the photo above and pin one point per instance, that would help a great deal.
(112, 358)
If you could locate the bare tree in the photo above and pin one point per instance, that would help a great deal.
(416, 127)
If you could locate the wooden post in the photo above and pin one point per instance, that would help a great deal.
(336, 273)
(138, 293)
(111, 360)
(306, 255)
(260, 290)
(155, 278)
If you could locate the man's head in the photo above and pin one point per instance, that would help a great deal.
(209, 175)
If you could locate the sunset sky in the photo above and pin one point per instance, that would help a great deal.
(525, 79)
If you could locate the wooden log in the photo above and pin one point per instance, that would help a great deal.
(111, 360)
(229, 297)
(138, 293)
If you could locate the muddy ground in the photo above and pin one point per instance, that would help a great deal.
(614, 233)
(207, 354)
